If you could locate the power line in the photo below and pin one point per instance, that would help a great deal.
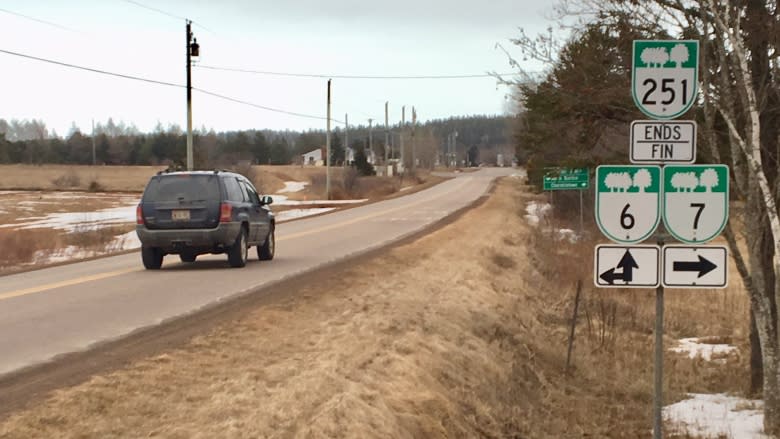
(90, 69)
(160, 11)
(263, 107)
(326, 76)
(170, 84)
(48, 23)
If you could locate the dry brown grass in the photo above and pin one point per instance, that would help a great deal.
(20, 247)
(30, 246)
(58, 177)
(434, 339)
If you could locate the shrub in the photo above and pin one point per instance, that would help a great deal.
(95, 186)
(69, 179)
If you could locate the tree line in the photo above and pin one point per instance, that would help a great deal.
(32, 142)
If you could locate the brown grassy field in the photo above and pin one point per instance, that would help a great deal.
(67, 177)
(269, 179)
(432, 339)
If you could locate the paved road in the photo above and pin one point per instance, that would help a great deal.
(69, 308)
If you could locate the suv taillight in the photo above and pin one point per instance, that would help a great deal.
(139, 215)
(225, 213)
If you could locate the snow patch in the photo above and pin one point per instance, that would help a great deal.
(291, 214)
(535, 212)
(282, 200)
(717, 415)
(695, 348)
(292, 186)
(127, 241)
(72, 221)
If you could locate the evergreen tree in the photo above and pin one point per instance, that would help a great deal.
(361, 162)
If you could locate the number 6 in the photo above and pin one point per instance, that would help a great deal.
(626, 219)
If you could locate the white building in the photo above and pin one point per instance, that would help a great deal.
(313, 158)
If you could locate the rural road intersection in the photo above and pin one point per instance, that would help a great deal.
(70, 308)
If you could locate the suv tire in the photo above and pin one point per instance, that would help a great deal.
(152, 258)
(266, 251)
(188, 257)
(237, 253)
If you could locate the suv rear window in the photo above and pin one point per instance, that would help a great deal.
(183, 188)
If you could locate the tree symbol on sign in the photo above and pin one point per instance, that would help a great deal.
(654, 57)
(685, 181)
(618, 181)
(708, 179)
(643, 179)
(680, 54)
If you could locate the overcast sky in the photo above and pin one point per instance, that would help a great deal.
(337, 37)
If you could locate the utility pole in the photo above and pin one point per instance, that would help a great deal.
(93, 143)
(327, 150)
(370, 136)
(192, 51)
(346, 137)
(387, 136)
(414, 142)
(403, 125)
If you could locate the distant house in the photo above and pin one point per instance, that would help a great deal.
(349, 156)
(314, 158)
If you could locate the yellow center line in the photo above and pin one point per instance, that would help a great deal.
(94, 277)
(64, 283)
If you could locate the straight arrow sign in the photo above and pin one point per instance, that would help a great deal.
(619, 266)
(627, 265)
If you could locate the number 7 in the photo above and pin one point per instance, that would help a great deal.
(699, 206)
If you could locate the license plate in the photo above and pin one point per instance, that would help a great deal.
(180, 215)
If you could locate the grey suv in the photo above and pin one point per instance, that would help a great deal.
(197, 212)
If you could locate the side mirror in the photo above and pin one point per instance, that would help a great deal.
(265, 199)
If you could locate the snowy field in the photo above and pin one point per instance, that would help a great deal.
(65, 211)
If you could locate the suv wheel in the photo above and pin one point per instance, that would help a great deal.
(266, 251)
(152, 258)
(188, 257)
(238, 252)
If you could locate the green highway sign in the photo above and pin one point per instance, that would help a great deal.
(628, 202)
(566, 179)
(664, 78)
(696, 201)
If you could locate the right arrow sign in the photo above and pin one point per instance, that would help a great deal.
(695, 266)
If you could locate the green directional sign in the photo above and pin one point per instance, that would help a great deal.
(628, 202)
(664, 78)
(566, 179)
(696, 201)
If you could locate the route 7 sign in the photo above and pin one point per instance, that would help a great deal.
(628, 200)
(700, 266)
(664, 79)
(657, 141)
(696, 201)
(618, 266)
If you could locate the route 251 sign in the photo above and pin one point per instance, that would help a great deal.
(628, 202)
(664, 79)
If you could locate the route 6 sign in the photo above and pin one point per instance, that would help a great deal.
(628, 201)
(696, 201)
(664, 80)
